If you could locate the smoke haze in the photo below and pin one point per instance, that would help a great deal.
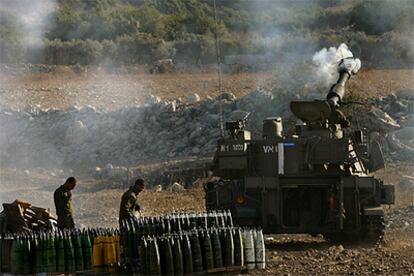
(326, 63)
(34, 17)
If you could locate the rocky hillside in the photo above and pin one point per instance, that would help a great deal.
(163, 129)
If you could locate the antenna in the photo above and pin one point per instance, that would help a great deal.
(220, 78)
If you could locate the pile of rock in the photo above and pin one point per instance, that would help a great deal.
(392, 123)
(88, 136)
(312, 256)
(400, 218)
(163, 129)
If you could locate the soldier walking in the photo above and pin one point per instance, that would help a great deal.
(129, 202)
(63, 204)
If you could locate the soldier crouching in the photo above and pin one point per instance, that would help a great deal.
(129, 204)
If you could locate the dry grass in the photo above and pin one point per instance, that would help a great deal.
(162, 202)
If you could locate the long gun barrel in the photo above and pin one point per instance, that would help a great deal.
(346, 68)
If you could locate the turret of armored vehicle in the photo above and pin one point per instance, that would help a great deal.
(316, 181)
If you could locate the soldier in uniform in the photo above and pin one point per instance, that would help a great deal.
(63, 204)
(129, 202)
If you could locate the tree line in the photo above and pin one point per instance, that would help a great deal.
(142, 31)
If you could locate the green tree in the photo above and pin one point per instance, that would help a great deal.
(380, 16)
(151, 21)
(11, 34)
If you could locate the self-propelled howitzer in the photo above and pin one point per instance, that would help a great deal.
(315, 181)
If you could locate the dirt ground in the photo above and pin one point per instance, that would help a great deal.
(96, 202)
(112, 91)
(96, 205)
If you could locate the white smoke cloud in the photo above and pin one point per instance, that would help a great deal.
(34, 17)
(326, 63)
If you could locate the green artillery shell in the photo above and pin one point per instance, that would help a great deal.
(16, 256)
(39, 255)
(218, 257)
(92, 235)
(44, 252)
(229, 248)
(77, 248)
(208, 256)
(140, 227)
(6, 254)
(209, 220)
(3, 253)
(143, 247)
(187, 254)
(173, 223)
(248, 245)
(133, 239)
(193, 221)
(135, 244)
(166, 255)
(60, 254)
(87, 252)
(259, 249)
(32, 254)
(27, 266)
(1, 250)
(124, 240)
(216, 218)
(147, 226)
(229, 219)
(222, 235)
(238, 248)
(197, 256)
(129, 240)
(50, 255)
(153, 226)
(148, 257)
(186, 222)
(162, 227)
(177, 223)
(177, 256)
(69, 255)
(204, 221)
(155, 264)
(167, 223)
(222, 217)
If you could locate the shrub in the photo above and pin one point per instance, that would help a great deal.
(72, 52)
(377, 17)
(11, 34)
